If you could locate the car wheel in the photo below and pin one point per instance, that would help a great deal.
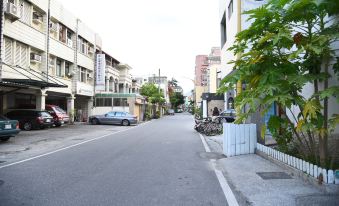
(125, 122)
(27, 126)
(5, 139)
(95, 121)
(57, 125)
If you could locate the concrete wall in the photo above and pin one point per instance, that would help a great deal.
(25, 34)
(61, 50)
(198, 92)
(212, 82)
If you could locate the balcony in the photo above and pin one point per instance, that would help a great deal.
(112, 71)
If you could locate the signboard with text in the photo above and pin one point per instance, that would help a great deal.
(100, 72)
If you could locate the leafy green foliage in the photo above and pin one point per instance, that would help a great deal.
(152, 93)
(177, 99)
(287, 47)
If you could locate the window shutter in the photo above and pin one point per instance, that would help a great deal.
(27, 13)
(17, 54)
(24, 54)
(8, 51)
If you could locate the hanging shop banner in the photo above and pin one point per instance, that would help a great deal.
(100, 72)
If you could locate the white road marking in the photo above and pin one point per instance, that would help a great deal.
(68, 147)
(230, 198)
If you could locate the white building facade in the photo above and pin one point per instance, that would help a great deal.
(49, 57)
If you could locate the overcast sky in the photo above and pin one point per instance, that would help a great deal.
(153, 34)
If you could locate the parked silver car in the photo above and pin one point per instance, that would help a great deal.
(114, 117)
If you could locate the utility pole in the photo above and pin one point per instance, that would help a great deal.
(1, 34)
(159, 82)
(47, 36)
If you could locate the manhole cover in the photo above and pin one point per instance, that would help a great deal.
(274, 175)
(211, 155)
(1, 182)
(2, 161)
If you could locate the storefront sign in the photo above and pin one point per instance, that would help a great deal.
(84, 89)
(100, 72)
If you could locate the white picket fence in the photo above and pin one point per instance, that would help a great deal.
(239, 139)
(299, 164)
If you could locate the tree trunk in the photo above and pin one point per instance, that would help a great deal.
(323, 138)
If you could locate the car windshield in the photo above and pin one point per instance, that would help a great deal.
(45, 114)
(3, 117)
(59, 110)
(228, 113)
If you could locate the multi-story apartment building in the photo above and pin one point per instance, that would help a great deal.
(49, 57)
(119, 91)
(201, 78)
(213, 70)
(41, 48)
(206, 73)
(232, 20)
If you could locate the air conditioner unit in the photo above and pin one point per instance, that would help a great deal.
(90, 76)
(35, 58)
(53, 27)
(37, 18)
(90, 50)
(12, 11)
(70, 43)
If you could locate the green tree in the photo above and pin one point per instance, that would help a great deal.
(152, 93)
(177, 99)
(288, 46)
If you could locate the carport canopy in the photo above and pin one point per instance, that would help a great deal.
(30, 78)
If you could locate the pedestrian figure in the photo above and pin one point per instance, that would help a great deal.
(215, 112)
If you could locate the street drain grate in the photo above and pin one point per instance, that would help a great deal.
(211, 155)
(274, 175)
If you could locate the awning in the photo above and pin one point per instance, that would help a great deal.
(29, 78)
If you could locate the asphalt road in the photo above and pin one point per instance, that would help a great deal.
(158, 163)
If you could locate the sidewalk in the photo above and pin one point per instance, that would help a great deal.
(277, 186)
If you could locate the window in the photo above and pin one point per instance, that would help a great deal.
(37, 17)
(62, 33)
(21, 55)
(230, 9)
(120, 102)
(108, 102)
(8, 51)
(223, 31)
(82, 74)
(58, 68)
(111, 114)
(99, 102)
(26, 12)
(83, 46)
(67, 65)
(103, 102)
(69, 38)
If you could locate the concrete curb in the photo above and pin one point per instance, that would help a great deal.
(327, 188)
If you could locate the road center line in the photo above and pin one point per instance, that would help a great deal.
(68, 147)
(230, 198)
